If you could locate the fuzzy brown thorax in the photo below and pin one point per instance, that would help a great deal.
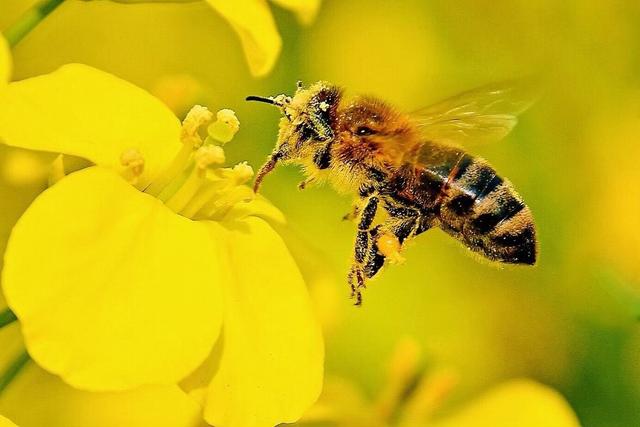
(336, 138)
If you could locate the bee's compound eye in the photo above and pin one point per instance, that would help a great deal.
(364, 131)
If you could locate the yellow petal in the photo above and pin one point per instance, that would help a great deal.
(5, 61)
(517, 403)
(252, 21)
(154, 1)
(36, 399)
(270, 367)
(5, 422)
(86, 112)
(113, 290)
(306, 10)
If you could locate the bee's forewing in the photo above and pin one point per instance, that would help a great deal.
(484, 114)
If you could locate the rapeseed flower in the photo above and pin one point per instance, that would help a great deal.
(5, 422)
(126, 273)
(412, 398)
(254, 24)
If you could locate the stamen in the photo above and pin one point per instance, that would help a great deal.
(208, 155)
(231, 193)
(204, 195)
(133, 162)
(190, 137)
(193, 185)
(179, 200)
(196, 117)
(225, 127)
(242, 173)
(217, 208)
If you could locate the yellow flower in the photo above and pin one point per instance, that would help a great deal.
(411, 399)
(254, 24)
(252, 21)
(35, 398)
(117, 286)
(5, 422)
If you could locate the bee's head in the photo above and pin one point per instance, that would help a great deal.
(308, 120)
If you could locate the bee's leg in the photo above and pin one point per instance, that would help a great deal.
(365, 191)
(374, 257)
(403, 224)
(362, 249)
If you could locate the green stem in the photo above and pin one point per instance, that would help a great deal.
(29, 20)
(6, 317)
(13, 369)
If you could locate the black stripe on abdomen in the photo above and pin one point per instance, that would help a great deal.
(503, 210)
(476, 181)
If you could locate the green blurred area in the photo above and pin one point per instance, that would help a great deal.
(571, 321)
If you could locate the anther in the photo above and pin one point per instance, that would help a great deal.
(208, 155)
(225, 127)
(242, 172)
(133, 162)
(196, 117)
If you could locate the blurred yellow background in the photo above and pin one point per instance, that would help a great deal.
(570, 322)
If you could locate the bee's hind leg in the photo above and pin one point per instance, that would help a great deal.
(396, 231)
(364, 246)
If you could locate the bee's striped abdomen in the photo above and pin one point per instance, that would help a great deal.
(483, 211)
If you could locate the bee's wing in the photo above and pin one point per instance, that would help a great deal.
(484, 114)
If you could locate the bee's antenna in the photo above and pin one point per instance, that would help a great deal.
(260, 99)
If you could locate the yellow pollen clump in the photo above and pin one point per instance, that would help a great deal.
(243, 172)
(228, 117)
(389, 246)
(197, 117)
(225, 127)
(133, 162)
(209, 155)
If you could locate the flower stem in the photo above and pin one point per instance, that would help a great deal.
(29, 20)
(7, 317)
(14, 368)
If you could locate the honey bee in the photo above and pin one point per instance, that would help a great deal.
(407, 171)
